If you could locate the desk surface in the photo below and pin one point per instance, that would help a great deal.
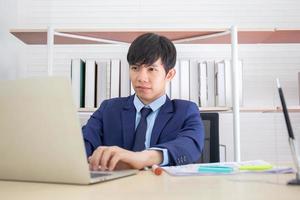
(146, 185)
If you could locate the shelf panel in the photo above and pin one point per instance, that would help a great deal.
(269, 109)
(225, 109)
(204, 109)
(39, 36)
(87, 109)
(214, 109)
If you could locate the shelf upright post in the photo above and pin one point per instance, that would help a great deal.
(50, 44)
(235, 94)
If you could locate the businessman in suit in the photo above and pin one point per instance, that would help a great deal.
(146, 128)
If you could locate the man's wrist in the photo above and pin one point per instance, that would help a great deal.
(165, 158)
(152, 157)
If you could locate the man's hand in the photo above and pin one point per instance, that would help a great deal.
(113, 157)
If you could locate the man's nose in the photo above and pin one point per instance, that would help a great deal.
(142, 75)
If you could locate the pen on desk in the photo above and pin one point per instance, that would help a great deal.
(156, 170)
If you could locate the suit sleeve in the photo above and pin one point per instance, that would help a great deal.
(188, 145)
(93, 130)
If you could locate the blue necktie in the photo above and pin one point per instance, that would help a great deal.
(140, 132)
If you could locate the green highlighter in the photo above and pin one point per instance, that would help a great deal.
(255, 167)
(215, 169)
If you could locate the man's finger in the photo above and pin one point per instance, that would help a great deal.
(113, 162)
(96, 158)
(106, 156)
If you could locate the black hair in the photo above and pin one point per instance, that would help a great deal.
(149, 47)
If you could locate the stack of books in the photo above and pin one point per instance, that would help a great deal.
(207, 83)
(93, 81)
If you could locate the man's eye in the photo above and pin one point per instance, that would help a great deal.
(151, 69)
(134, 67)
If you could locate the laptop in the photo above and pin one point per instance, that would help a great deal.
(40, 138)
(292, 139)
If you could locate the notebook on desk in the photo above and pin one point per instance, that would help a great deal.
(40, 137)
(227, 168)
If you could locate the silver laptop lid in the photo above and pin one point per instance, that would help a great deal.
(40, 137)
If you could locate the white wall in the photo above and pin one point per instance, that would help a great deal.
(8, 44)
(161, 13)
(262, 63)
(263, 136)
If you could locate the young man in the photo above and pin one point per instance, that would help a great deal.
(146, 128)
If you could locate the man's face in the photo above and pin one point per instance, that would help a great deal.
(149, 82)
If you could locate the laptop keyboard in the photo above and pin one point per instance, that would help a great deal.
(97, 174)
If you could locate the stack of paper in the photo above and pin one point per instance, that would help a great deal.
(223, 168)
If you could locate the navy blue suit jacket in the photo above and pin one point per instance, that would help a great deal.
(178, 128)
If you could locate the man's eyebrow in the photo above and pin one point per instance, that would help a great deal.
(154, 65)
(147, 65)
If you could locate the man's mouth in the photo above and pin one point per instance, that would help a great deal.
(143, 87)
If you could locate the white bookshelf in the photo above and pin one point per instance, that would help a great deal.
(52, 36)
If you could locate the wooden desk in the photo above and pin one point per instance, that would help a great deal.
(146, 185)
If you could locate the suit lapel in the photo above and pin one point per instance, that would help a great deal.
(128, 123)
(164, 115)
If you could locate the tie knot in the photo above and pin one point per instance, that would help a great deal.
(145, 112)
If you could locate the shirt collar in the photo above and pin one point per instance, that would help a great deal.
(154, 105)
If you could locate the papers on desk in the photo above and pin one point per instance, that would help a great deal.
(227, 168)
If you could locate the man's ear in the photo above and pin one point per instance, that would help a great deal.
(171, 73)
